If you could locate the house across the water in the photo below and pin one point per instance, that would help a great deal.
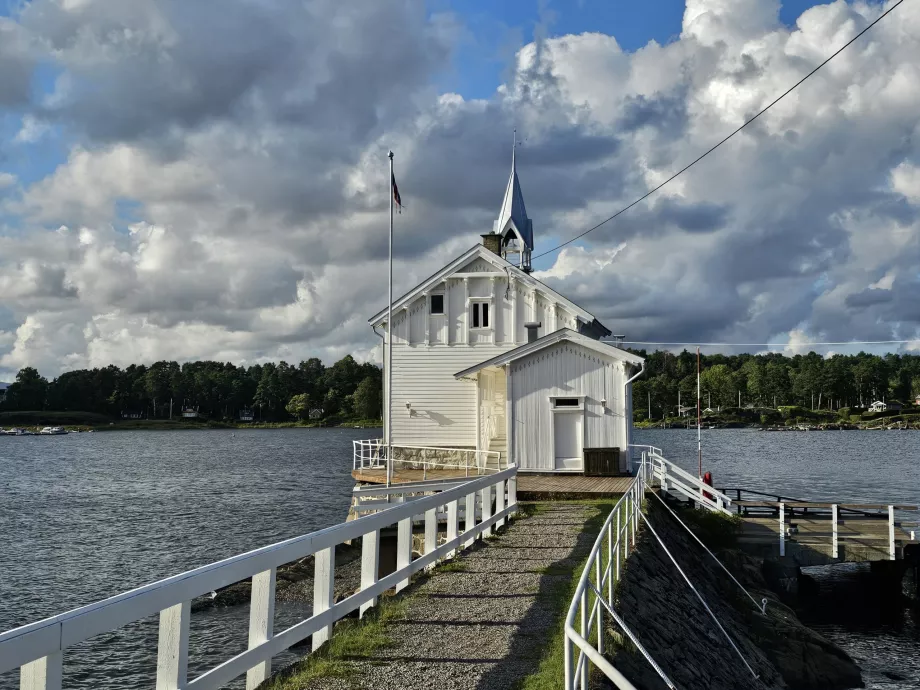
(488, 357)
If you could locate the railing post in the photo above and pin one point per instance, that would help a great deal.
(610, 562)
(891, 544)
(782, 529)
(172, 647)
(569, 663)
(403, 549)
(261, 623)
(486, 497)
(431, 531)
(469, 519)
(370, 565)
(597, 603)
(323, 590)
(584, 634)
(452, 524)
(619, 530)
(834, 545)
(42, 674)
(512, 492)
(500, 501)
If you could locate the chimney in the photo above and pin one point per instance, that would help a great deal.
(492, 242)
(532, 327)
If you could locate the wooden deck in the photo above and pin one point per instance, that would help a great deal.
(530, 486)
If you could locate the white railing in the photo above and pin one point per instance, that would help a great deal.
(37, 649)
(585, 645)
(673, 480)
(371, 454)
(594, 598)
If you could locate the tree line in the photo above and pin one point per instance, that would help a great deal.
(771, 380)
(216, 390)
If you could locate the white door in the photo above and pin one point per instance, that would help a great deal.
(567, 438)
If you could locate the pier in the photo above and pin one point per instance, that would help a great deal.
(475, 582)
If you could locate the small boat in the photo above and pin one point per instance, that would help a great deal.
(16, 431)
(53, 431)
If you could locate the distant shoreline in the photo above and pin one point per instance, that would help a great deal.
(178, 425)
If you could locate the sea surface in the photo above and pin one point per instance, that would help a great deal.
(86, 516)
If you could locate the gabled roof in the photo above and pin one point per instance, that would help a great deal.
(563, 334)
(500, 265)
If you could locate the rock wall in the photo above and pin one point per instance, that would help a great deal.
(416, 458)
(674, 627)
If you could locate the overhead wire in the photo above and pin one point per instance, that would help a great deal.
(713, 148)
(783, 345)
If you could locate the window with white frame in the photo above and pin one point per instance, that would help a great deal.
(480, 316)
(436, 304)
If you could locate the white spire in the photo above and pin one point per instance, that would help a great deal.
(512, 219)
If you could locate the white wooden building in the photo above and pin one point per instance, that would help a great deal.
(482, 342)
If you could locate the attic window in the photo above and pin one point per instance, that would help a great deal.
(437, 305)
(479, 314)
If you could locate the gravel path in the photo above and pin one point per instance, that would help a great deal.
(484, 626)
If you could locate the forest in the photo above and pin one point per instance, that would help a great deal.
(279, 392)
(348, 390)
(770, 380)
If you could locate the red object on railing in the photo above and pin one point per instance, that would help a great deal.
(707, 479)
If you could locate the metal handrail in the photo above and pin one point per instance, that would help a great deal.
(38, 648)
(374, 452)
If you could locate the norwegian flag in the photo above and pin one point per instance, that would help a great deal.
(396, 197)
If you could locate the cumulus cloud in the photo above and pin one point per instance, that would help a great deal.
(224, 188)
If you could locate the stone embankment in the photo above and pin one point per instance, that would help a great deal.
(674, 627)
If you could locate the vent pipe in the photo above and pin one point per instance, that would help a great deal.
(532, 327)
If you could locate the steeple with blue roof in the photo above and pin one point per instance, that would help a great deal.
(515, 228)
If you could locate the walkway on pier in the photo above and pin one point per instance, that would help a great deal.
(486, 621)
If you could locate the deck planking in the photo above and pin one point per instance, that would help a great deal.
(529, 485)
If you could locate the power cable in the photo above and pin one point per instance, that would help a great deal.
(687, 167)
(784, 345)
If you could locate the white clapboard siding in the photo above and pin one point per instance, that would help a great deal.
(565, 369)
(443, 408)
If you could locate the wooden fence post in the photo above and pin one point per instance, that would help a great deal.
(172, 647)
(370, 565)
(431, 532)
(261, 623)
(323, 591)
(782, 529)
(891, 544)
(469, 518)
(403, 549)
(835, 549)
(453, 524)
(42, 674)
(486, 497)
(500, 501)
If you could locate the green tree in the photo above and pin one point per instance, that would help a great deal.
(298, 406)
(28, 392)
(367, 399)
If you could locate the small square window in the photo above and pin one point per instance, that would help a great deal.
(437, 304)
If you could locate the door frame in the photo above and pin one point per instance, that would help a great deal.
(573, 409)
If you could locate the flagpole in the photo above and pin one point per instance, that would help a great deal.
(389, 429)
(699, 434)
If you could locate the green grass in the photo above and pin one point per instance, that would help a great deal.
(560, 591)
(352, 639)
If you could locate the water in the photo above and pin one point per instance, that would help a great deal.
(86, 516)
(841, 466)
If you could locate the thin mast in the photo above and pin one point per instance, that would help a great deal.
(699, 434)
(389, 429)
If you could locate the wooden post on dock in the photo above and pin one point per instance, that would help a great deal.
(891, 546)
(834, 518)
(782, 529)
